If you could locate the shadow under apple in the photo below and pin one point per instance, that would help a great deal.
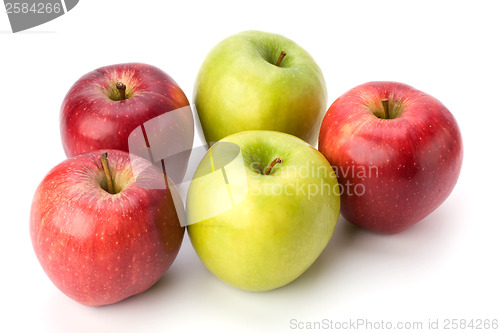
(357, 262)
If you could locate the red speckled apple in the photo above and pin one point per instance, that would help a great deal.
(104, 227)
(104, 106)
(397, 152)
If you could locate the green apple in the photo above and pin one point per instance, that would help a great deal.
(243, 86)
(261, 208)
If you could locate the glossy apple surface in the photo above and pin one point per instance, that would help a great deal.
(259, 231)
(96, 247)
(395, 168)
(239, 88)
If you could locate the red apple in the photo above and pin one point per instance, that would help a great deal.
(397, 153)
(100, 245)
(105, 106)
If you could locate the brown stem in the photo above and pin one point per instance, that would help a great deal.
(121, 88)
(273, 163)
(282, 55)
(385, 104)
(104, 161)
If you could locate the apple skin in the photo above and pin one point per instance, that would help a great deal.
(269, 238)
(411, 162)
(93, 116)
(100, 248)
(239, 88)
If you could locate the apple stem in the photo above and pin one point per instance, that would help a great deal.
(104, 161)
(282, 55)
(385, 103)
(121, 88)
(273, 163)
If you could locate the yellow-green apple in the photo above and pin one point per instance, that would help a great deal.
(261, 208)
(397, 152)
(104, 226)
(104, 107)
(256, 80)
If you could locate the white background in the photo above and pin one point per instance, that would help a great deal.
(444, 267)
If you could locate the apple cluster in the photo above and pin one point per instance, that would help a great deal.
(108, 222)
